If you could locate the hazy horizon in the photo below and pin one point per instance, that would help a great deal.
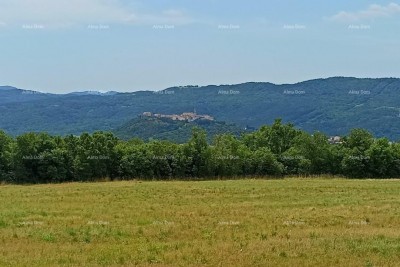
(181, 85)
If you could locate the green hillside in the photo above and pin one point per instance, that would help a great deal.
(147, 128)
(333, 106)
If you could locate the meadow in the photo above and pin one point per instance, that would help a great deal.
(288, 222)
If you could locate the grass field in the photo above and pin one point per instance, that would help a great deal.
(291, 222)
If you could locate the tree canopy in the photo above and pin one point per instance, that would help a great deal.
(272, 151)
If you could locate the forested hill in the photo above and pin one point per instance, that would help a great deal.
(333, 106)
(147, 128)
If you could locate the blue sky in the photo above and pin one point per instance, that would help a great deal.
(74, 45)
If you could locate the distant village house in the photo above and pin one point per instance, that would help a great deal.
(335, 140)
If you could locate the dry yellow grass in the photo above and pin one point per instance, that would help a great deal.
(291, 222)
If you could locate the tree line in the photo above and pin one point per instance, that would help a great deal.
(275, 150)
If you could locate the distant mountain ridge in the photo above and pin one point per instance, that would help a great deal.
(332, 105)
(94, 93)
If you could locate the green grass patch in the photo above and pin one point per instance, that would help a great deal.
(290, 222)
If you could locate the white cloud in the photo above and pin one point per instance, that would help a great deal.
(372, 12)
(176, 13)
(169, 16)
(71, 12)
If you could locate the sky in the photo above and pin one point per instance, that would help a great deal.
(62, 46)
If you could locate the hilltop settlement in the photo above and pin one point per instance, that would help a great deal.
(186, 116)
